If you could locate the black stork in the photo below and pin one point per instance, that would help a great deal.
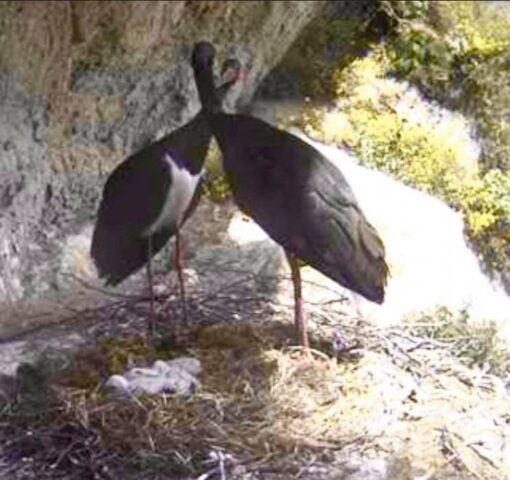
(149, 196)
(296, 195)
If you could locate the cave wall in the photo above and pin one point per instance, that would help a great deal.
(82, 84)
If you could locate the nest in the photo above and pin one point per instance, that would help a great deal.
(257, 400)
(264, 410)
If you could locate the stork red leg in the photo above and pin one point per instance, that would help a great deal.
(299, 317)
(151, 288)
(180, 274)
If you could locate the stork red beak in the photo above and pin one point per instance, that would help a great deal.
(232, 71)
(230, 74)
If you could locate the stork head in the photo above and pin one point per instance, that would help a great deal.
(231, 70)
(202, 58)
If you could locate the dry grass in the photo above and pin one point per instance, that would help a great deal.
(263, 410)
(261, 404)
(256, 399)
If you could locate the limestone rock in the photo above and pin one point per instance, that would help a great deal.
(85, 85)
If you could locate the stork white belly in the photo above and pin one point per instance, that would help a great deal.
(179, 197)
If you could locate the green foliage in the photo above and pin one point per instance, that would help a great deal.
(460, 47)
(310, 57)
(423, 156)
(388, 143)
(421, 57)
(485, 202)
(467, 51)
(475, 344)
(478, 29)
(456, 52)
(413, 155)
(486, 97)
(216, 187)
(405, 10)
(33, 402)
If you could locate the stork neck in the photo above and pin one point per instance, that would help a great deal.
(207, 92)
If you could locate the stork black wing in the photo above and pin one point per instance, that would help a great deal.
(132, 199)
(303, 202)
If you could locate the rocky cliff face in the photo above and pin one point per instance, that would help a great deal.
(82, 84)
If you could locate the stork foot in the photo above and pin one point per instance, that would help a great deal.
(306, 357)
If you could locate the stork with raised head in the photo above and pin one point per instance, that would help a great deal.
(149, 196)
(296, 195)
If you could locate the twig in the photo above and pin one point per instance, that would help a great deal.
(448, 447)
(95, 288)
(475, 447)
